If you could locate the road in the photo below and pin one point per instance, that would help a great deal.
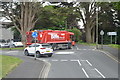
(82, 62)
(79, 62)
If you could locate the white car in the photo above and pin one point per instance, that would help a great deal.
(15, 43)
(41, 49)
(3, 43)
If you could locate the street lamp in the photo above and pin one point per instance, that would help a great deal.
(96, 27)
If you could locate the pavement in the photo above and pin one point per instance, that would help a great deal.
(81, 61)
(29, 68)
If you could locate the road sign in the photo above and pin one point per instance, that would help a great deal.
(112, 33)
(101, 32)
(34, 34)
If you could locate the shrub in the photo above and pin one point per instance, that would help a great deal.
(76, 32)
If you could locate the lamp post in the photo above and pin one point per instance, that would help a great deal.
(96, 27)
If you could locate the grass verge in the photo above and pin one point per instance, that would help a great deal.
(115, 46)
(90, 44)
(7, 64)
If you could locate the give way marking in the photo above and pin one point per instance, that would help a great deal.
(64, 53)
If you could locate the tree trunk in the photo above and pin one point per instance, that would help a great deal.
(93, 35)
(23, 38)
(88, 35)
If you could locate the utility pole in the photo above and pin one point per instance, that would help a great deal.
(96, 27)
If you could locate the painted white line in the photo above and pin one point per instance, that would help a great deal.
(89, 63)
(44, 60)
(79, 62)
(77, 47)
(11, 51)
(41, 71)
(64, 53)
(64, 60)
(45, 70)
(109, 55)
(72, 48)
(73, 60)
(82, 60)
(54, 60)
(85, 72)
(100, 73)
(93, 49)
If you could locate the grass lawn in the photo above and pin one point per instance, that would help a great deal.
(17, 48)
(90, 44)
(7, 63)
(114, 46)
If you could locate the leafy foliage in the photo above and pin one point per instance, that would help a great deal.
(76, 32)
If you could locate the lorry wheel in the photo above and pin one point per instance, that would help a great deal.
(37, 54)
(26, 53)
(49, 55)
(69, 47)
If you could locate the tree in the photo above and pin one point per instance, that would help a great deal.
(87, 11)
(57, 16)
(23, 15)
(116, 6)
(109, 19)
(76, 32)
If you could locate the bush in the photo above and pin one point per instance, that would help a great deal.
(76, 32)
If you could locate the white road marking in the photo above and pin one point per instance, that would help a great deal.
(109, 55)
(73, 60)
(100, 73)
(79, 62)
(64, 60)
(77, 47)
(72, 48)
(85, 72)
(89, 63)
(44, 60)
(82, 60)
(64, 53)
(54, 60)
(11, 51)
(41, 71)
(41, 59)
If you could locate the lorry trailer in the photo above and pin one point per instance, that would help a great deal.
(57, 39)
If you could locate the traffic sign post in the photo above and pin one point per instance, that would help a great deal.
(111, 39)
(113, 34)
(101, 33)
(34, 35)
(115, 39)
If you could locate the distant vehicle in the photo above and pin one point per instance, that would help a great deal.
(41, 49)
(15, 43)
(58, 39)
(3, 44)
